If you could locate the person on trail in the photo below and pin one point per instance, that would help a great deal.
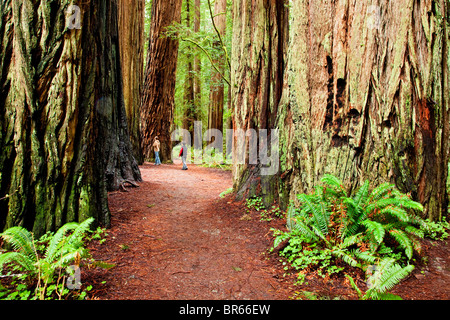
(157, 149)
(183, 155)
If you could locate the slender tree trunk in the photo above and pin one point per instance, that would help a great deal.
(131, 32)
(217, 92)
(157, 105)
(197, 72)
(189, 95)
(63, 133)
(366, 97)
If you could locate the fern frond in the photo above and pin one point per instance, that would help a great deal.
(319, 212)
(396, 212)
(354, 286)
(76, 238)
(388, 274)
(56, 243)
(304, 230)
(362, 195)
(333, 182)
(365, 256)
(21, 240)
(376, 229)
(350, 241)
(414, 231)
(60, 244)
(403, 240)
(344, 256)
(18, 258)
(380, 191)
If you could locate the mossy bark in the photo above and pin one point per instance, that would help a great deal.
(63, 134)
(257, 74)
(365, 96)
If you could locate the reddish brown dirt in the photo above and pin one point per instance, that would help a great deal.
(175, 238)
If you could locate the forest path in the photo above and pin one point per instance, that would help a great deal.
(175, 238)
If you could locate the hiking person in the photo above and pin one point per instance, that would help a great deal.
(183, 155)
(157, 149)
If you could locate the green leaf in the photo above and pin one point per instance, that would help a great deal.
(387, 275)
(21, 240)
(376, 229)
(403, 240)
(334, 182)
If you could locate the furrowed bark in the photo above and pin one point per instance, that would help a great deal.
(365, 97)
(257, 72)
(131, 32)
(157, 105)
(63, 135)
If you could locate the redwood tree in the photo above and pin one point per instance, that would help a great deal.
(364, 94)
(131, 32)
(63, 133)
(158, 97)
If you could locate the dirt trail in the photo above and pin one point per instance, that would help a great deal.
(175, 238)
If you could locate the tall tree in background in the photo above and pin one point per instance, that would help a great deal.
(189, 95)
(197, 69)
(131, 17)
(216, 100)
(366, 97)
(63, 133)
(193, 83)
(157, 107)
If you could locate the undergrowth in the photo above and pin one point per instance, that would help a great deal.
(45, 268)
(377, 230)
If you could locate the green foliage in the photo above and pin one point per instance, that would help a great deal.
(360, 230)
(256, 203)
(226, 192)
(42, 261)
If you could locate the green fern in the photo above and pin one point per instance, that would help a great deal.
(62, 250)
(403, 240)
(375, 229)
(333, 182)
(387, 275)
(357, 229)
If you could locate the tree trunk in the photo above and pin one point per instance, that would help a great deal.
(131, 32)
(157, 105)
(217, 91)
(366, 97)
(258, 63)
(189, 95)
(63, 133)
(197, 75)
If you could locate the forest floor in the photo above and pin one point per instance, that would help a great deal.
(174, 238)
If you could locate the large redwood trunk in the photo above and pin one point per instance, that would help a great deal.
(157, 106)
(63, 132)
(131, 33)
(257, 71)
(365, 95)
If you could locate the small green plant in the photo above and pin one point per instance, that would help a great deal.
(226, 192)
(386, 275)
(256, 203)
(360, 230)
(42, 262)
(99, 234)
